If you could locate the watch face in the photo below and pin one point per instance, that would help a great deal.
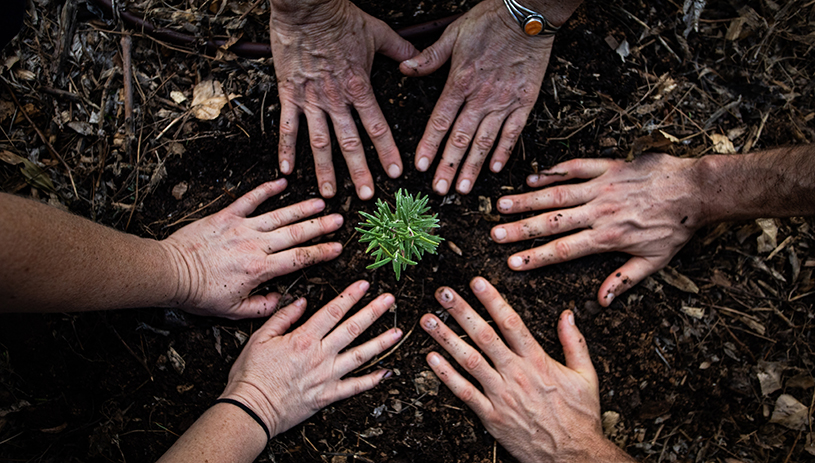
(533, 26)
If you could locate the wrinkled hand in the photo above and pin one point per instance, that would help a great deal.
(286, 378)
(495, 75)
(648, 208)
(322, 56)
(222, 257)
(538, 409)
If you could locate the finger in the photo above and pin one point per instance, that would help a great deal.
(298, 233)
(247, 203)
(286, 215)
(390, 44)
(327, 318)
(575, 349)
(513, 127)
(550, 223)
(561, 250)
(457, 145)
(353, 386)
(515, 332)
(479, 330)
(444, 113)
(321, 148)
(556, 197)
(459, 386)
(377, 127)
(358, 323)
(289, 125)
(292, 260)
(254, 307)
(463, 353)
(482, 144)
(575, 168)
(283, 319)
(433, 57)
(356, 357)
(631, 273)
(351, 147)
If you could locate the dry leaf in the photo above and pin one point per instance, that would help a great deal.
(790, 413)
(677, 280)
(769, 376)
(454, 248)
(803, 381)
(769, 236)
(426, 382)
(178, 97)
(694, 312)
(207, 100)
(176, 360)
(179, 190)
(722, 144)
(82, 128)
(10, 158)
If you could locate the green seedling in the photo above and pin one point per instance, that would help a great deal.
(401, 237)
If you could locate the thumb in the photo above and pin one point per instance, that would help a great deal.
(631, 273)
(575, 349)
(433, 57)
(390, 44)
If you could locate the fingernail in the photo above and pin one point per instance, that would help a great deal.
(496, 166)
(394, 171)
(430, 323)
(387, 374)
(364, 285)
(446, 295)
(423, 164)
(336, 247)
(365, 192)
(515, 262)
(433, 359)
(338, 219)
(504, 204)
(500, 234)
(479, 285)
(284, 166)
(300, 302)
(319, 204)
(570, 318)
(397, 334)
(533, 178)
(388, 300)
(327, 189)
(410, 63)
(441, 187)
(610, 297)
(464, 186)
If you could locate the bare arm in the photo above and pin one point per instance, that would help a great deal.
(651, 207)
(54, 261)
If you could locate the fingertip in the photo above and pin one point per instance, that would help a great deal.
(516, 262)
(422, 163)
(363, 285)
(496, 166)
(429, 322)
(478, 284)
(394, 170)
(388, 299)
(335, 248)
(464, 186)
(327, 190)
(533, 180)
(504, 205)
(444, 295)
(365, 192)
(285, 167)
(433, 359)
(499, 233)
(441, 186)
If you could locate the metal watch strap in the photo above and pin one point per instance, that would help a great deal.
(531, 22)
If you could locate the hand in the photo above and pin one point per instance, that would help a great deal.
(495, 74)
(538, 409)
(287, 378)
(220, 259)
(323, 54)
(648, 208)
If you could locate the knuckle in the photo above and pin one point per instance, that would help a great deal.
(358, 89)
(378, 130)
(334, 311)
(484, 142)
(359, 172)
(287, 128)
(303, 257)
(467, 393)
(296, 233)
(359, 357)
(460, 140)
(354, 330)
(513, 322)
(351, 144)
(473, 361)
(320, 141)
(485, 337)
(563, 249)
(301, 343)
(560, 196)
(440, 123)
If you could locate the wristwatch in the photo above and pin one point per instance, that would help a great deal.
(531, 22)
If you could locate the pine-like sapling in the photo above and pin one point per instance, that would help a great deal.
(399, 237)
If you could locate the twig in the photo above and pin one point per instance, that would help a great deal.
(127, 70)
(56, 156)
(139, 359)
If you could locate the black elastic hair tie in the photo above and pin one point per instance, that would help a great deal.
(248, 412)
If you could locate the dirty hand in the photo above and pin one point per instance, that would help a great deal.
(538, 409)
(286, 378)
(323, 51)
(495, 75)
(220, 259)
(648, 208)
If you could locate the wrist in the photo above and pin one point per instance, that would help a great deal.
(290, 13)
(712, 181)
(254, 398)
(555, 12)
(182, 275)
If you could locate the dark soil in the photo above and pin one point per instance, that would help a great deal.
(99, 387)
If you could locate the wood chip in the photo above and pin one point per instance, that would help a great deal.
(677, 280)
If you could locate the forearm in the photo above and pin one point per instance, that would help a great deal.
(773, 183)
(222, 433)
(53, 261)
